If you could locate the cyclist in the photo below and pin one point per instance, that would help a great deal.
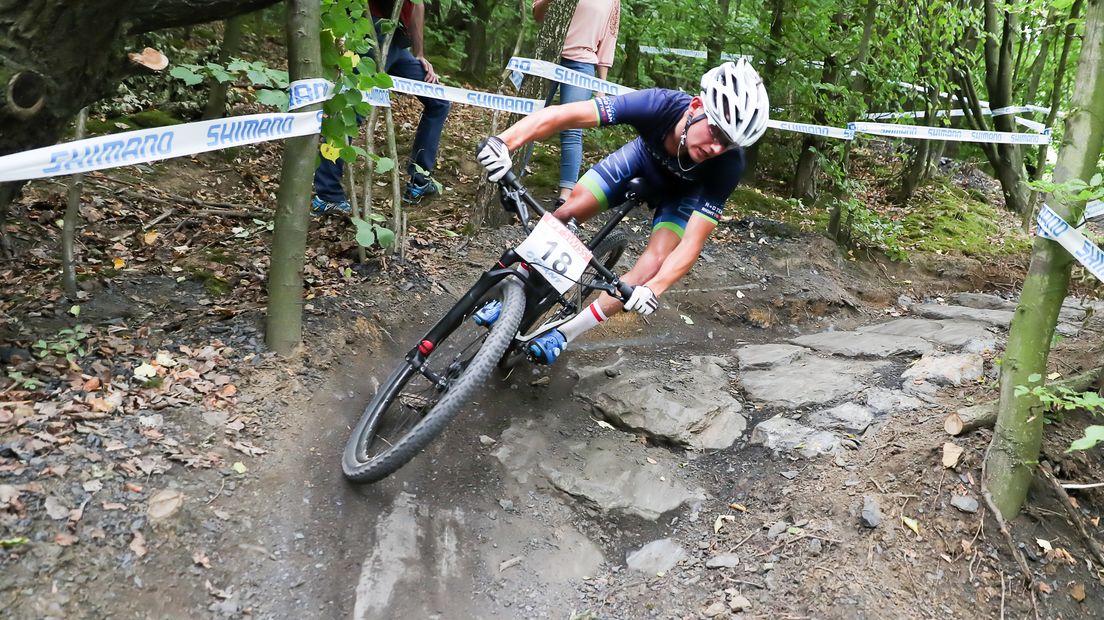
(689, 150)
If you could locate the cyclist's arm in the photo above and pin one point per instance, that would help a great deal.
(550, 121)
(685, 254)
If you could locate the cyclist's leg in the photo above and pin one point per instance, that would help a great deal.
(605, 183)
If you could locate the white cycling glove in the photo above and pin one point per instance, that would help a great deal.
(495, 158)
(643, 300)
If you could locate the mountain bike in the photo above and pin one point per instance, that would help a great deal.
(545, 281)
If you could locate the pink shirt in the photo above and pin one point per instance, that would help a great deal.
(592, 36)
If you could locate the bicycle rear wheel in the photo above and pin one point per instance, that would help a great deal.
(607, 253)
(409, 409)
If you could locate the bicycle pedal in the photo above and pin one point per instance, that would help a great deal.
(488, 314)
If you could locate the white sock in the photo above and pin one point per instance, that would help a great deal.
(583, 321)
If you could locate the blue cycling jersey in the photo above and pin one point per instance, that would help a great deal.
(684, 188)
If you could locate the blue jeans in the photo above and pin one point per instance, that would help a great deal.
(571, 140)
(402, 63)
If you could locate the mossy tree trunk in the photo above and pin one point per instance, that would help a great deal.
(284, 328)
(1014, 451)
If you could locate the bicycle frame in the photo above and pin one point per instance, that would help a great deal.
(538, 292)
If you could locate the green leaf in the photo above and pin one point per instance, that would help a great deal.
(259, 78)
(75, 310)
(274, 98)
(384, 164)
(365, 234)
(386, 236)
(186, 75)
(1093, 435)
(238, 467)
(13, 542)
(1034, 377)
(1097, 178)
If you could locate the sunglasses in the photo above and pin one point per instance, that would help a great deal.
(715, 132)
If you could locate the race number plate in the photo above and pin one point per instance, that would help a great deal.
(557, 254)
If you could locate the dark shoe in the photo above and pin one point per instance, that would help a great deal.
(415, 191)
(321, 207)
(547, 347)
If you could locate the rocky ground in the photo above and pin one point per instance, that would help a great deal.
(770, 444)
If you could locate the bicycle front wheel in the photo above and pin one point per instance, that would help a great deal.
(412, 407)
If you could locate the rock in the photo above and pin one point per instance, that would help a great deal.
(487, 441)
(723, 560)
(56, 508)
(808, 381)
(886, 401)
(739, 602)
(848, 417)
(859, 344)
(965, 503)
(777, 529)
(658, 556)
(996, 318)
(983, 301)
(759, 356)
(164, 504)
(971, 335)
(700, 415)
(154, 421)
(506, 504)
(942, 369)
(600, 471)
(871, 512)
(783, 434)
(715, 610)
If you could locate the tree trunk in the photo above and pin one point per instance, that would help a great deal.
(1055, 96)
(284, 328)
(59, 57)
(1014, 450)
(718, 38)
(1035, 73)
(812, 147)
(231, 44)
(69, 227)
(549, 44)
(1006, 159)
(475, 63)
(778, 10)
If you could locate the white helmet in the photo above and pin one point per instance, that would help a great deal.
(736, 101)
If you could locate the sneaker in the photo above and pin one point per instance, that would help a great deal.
(547, 347)
(488, 314)
(323, 207)
(415, 191)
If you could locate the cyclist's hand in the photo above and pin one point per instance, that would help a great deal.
(495, 158)
(643, 300)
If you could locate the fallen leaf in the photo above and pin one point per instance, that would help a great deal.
(200, 559)
(133, 488)
(1078, 592)
(1045, 544)
(652, 461)
(687, 320)
(740, 507)
(145, 371)
(719, 523)
(951, 453)
(228, 390)
(1054, 375)
(1064, 555)
(118, 263)
(164, 503)
(149, 237)
(605, 425)
(6, 543)
(739, 294)
(114, 506)
(238, 467)
(1044, 588)
(65, 539)
(911, 523)
(164, 359)
(56, 509)
(138, 544)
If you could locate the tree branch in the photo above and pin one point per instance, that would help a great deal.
(158, 14)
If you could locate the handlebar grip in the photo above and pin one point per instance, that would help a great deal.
(626, 290)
